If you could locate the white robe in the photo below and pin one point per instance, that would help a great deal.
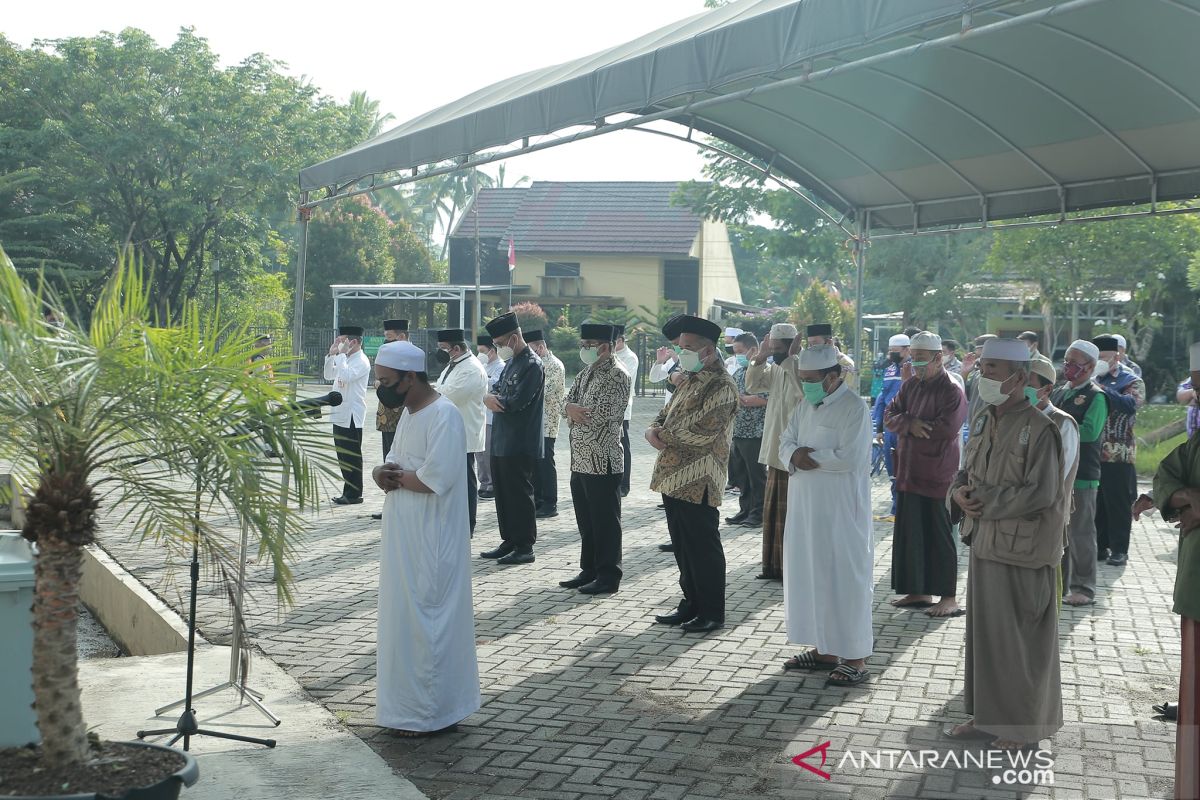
(428, 676)
(828, 550)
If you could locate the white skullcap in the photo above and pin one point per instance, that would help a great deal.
(1044, 367)
(820, 357)
(1194, 353)
(783, 330)
(1087, 348)
(1005, 350)
(899, 340)
(926, 341)
(404, 356)
(1120, 340)
(734, 331)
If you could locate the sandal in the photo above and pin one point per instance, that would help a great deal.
(406, 734)
(846, 675)
(1168, 710)
(899, 603)
(971, 733)
(808, 660)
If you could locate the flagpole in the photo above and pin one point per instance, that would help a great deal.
(512, 267)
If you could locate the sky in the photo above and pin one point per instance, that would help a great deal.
(411, 55)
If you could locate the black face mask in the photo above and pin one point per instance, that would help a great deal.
(389, 397)
(895, 358)
(442, 356)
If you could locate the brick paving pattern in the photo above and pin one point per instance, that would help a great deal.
(588, 698)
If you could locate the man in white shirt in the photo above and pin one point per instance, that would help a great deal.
(731, 363)
(628, 361)
(349, 369)
(493, 365)
(464, 382)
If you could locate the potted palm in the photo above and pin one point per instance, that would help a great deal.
(142, 418)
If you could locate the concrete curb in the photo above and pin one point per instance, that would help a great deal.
(141, 623)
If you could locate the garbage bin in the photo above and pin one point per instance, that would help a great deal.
(18, 724)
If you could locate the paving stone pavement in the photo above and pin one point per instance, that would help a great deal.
(588, 698)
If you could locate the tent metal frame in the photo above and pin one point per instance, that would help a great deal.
(435, 292)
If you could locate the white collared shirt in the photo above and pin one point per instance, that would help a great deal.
(349, 375)
(464, 382)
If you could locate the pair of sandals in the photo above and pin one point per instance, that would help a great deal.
(840, 674)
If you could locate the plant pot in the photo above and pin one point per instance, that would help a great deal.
(166, 789)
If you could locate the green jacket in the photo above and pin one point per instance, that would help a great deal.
(1181, 470)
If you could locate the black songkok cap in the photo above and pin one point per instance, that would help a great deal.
(700, 327)
(819, 329)
(452, 335)
(350, 330)
(598, 332)
(502, 325)
(395, 325)
(534, 336)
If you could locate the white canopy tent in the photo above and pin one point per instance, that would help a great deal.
(898, 117)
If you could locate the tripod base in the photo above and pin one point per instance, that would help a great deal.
(251, 696)
(187, 727)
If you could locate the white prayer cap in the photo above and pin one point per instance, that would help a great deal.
(1120, 340)
(783, 330)
(821, 357)
(1005, 350)
(899, 340)
(926, 341)
(734, 331)
(403, 356)
(1195, 357)
(1087, 348)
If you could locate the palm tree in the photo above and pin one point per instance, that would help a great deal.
(157, 423)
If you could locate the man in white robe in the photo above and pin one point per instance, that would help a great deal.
(828, 550)
(428, 676)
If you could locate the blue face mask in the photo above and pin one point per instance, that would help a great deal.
(814, 392)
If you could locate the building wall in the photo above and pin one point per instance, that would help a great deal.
(631, 281)
(718, 276)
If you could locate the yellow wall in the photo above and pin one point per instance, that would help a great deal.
(718, 276)
(631, 281)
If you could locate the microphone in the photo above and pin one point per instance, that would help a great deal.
(312, 405)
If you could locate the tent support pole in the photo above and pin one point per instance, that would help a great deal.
(860, 262)
(477, 321)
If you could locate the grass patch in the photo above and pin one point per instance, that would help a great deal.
(1151, 418)
(1147, 458)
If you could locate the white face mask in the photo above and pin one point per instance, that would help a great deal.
(483, 359)
(992, 392)
(588, 355)
(504, 353)
(1102, 368)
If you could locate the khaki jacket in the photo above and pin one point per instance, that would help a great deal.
(1014, 464)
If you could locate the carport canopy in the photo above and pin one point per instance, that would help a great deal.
(907, 116)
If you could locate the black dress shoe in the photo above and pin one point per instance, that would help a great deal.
(737, 518)
(752, 522)
(1118, 560)
(1103, 554)
(581, 579)
(598, 587)
(669, 547)
(485, 494)
(347, 501)
(662, 505)
(550, 511)
(377, 516)
(504, 549)
(675, 617)
(522, 555)
(701, 625)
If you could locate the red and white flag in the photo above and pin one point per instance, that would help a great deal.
(512, 255)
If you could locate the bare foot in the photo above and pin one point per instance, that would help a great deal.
(910, 600)
(1077, 599)
(946, 607)
(1009, 744)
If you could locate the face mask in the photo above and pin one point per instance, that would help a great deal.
(588, 355)
(504, 353)
(992, 391)
(895, 358)
(1102, 368)
(483, 359)
(919, 368)
(389, 397)
(814, 392)
(1073, 372)
(1031, 396)
(442, 356)
(677, 349)
(689, 360)
(343, 347)
(743, 361)
(778, 356)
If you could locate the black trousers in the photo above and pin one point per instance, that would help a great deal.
(924, 553)
(733, 469)
(1118, 490)
(751, 475)
(388, 438)
(512, 480)
(472, 490)
(597, 500)
(700, 556)
(628, 457)
(545, 484)
(348, 442)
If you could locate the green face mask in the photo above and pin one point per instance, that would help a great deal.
(814, 393)
(1031, 394)
(743, 361)
(677, 349)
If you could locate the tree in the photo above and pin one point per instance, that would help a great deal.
(116, 414)
(818, 304)
(348, 242)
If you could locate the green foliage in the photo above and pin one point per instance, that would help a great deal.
(758, 323)
(818, 304)
(263, 301)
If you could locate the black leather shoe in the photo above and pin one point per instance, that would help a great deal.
(484, 494)
(500, 552)
(598, 587)
(550, 511)
(377, 516)
(582, 579)
(1118, 560)
(752, 522)
(1103, 554)
(737, 518)
(667, 548)
(674, 618)
(347, 501)
(701, 625)
(521, 555)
